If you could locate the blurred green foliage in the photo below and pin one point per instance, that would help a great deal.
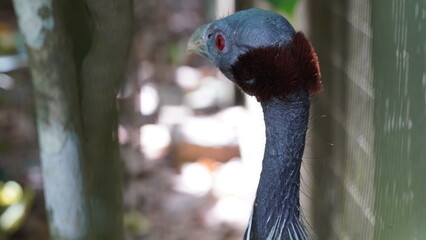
(15, 202)
(287, 6)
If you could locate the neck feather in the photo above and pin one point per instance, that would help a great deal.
(276, 208)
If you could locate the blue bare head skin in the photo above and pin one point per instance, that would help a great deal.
(241, 32)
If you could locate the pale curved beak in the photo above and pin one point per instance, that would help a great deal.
(198, 42)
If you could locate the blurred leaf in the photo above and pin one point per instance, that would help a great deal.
(8, 39)
(14, 215)
(136, 223)
(175, 53)
(10, 193)
(287, 6)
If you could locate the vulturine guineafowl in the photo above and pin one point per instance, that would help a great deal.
(261, 52)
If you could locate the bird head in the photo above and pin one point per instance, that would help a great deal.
(261, 52)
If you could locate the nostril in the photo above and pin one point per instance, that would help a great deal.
(209, 35)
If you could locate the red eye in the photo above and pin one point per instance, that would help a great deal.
(220, 42)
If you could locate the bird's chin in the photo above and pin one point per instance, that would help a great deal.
(228, 74)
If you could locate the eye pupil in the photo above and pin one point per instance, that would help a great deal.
(220, 42)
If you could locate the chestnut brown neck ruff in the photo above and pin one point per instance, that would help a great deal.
(278, 71)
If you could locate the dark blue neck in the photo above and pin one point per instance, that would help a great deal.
(276, 209)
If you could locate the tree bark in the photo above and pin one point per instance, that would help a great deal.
(75, 95)
(102, 72)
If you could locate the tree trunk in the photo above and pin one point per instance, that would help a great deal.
(102, 72)
(75, 89)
